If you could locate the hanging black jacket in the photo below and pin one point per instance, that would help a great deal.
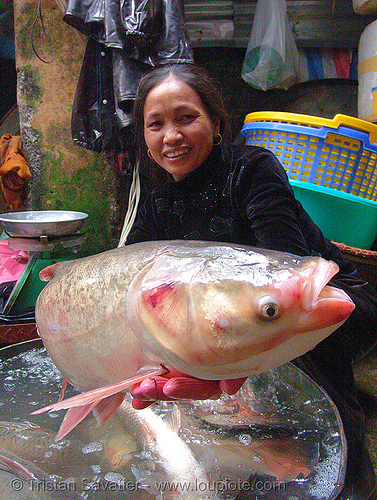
(127, 39)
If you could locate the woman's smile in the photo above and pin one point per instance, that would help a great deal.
(177, 153)
(177, 128)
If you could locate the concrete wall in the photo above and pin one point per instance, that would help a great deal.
(64, 176)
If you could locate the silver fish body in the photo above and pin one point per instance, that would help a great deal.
(211, 310)
(65, 460)
(196, 305)
(181, 474)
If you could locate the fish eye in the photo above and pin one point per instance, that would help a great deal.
(269, 308)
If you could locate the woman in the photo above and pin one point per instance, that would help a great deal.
(241, 194)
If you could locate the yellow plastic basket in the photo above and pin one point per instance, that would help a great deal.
(340, 153)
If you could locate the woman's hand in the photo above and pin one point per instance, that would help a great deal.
(177, 385)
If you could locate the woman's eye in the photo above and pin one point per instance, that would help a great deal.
(187, 118)
(155, 124)
(268, 307)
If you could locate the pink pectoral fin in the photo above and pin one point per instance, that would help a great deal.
(104, 399)
(96, 395)
(102, 410)
(106, 407)
(72, 418)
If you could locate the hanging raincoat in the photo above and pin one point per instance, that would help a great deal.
(127, 39)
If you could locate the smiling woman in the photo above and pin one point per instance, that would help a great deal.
(197, 103)
(177, 128)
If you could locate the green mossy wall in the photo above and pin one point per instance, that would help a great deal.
(64, 176)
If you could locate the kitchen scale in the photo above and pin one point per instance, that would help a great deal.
(48, 236)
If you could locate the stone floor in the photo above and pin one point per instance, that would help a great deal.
(366, 379)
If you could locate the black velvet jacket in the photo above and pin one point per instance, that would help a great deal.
(240, 194)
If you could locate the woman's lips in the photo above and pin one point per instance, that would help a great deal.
(176, 153)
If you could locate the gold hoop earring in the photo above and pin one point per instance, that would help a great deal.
(219, 140)
(149, 154)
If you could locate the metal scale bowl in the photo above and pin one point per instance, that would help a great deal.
(48, 236)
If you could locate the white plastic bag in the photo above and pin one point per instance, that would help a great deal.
(271, 56)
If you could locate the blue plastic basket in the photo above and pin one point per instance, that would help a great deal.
(340, 154)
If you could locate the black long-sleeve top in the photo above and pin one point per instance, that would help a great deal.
(240, 194)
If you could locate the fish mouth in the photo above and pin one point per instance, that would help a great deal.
(316, 287)
(325, 305)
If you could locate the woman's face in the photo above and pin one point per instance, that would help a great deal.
(177, 128)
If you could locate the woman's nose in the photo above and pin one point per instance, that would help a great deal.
(172, 135)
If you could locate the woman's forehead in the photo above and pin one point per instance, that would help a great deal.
(171, 94)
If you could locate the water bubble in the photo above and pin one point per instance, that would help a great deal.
(60, 445)
(145, 455)
(92, 447)
(327, 475)
(9, 386)
(245, 439)
(53, 414)
(114, 477)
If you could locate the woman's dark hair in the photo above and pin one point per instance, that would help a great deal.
(198, 79)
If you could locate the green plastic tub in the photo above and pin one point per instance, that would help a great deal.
(342, 217)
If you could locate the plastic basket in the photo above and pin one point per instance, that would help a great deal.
(340, 153)
(365, 261)
(342, 217)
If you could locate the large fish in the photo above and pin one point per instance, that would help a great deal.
(70, 459)
(211, 310)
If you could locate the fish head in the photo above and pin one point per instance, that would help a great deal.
(234, 312)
